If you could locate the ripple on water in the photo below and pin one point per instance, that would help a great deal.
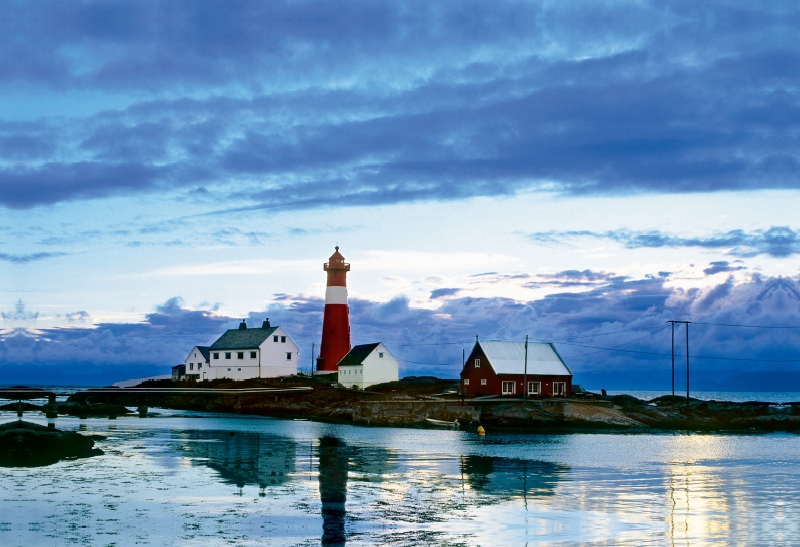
(205, 479)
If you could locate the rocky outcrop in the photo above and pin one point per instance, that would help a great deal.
(24, 444)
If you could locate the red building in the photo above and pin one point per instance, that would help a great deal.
(498, 368)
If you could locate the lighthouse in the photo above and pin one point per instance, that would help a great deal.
(336, 319)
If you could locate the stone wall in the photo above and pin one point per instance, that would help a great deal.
(411, 412)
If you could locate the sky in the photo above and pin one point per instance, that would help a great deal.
(575, 172)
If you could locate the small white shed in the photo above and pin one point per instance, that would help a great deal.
(367, 365)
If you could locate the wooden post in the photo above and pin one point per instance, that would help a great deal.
(462, 379)
(525, 375)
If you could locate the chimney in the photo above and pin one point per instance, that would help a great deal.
(243, 325)
(265, 324)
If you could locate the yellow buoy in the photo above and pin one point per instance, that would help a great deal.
(481, 431)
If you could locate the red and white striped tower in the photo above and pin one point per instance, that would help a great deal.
(336, 320)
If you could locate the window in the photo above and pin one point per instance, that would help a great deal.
(380, 354)
(252, 355)
(483, 381)
(239, 369)
(509, 388)
(283, 339)
(191, 366)
(559, 389)
(227, 355)
(466, 381)
(240, 355)
(289, 356)
(195, 354)
(199, 365)
(477, 363)
(534, 388)
(229, 370)
(216, 356)
(274, 338)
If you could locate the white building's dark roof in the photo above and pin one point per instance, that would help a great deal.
(242, 339)
(509, 358)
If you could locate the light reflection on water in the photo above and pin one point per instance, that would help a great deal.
(204, 479)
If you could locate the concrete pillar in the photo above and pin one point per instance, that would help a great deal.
(51, 408)
(19, 410)
(142, 410)
(83, 411)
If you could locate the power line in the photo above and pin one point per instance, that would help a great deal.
(746, 326)
(713, 357)
(615, 347)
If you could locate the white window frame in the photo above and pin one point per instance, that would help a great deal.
(253, 355)
(563, 389)
(240, 355)
(288, 355)
(477, 363)
(483, 381)
(508, 384)
(537, 386)
(466, 381)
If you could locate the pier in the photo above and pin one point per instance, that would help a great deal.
(140, 394)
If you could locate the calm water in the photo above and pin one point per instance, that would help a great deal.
(183, 479)
(733, 396)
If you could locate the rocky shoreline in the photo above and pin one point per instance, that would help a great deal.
(410, 401)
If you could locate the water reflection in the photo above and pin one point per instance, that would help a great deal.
(510, 478)
(243, 458)
(334, 461)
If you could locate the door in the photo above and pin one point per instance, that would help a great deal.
(559, 389)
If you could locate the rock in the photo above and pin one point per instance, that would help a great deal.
(24, 444)
(96, 409)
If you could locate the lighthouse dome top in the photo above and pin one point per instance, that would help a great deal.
(336, 262)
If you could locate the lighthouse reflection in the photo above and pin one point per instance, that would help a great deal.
(334, 460)
(243, 458)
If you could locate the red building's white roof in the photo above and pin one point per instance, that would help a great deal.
(509, 358)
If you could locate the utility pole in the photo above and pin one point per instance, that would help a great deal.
(687, 364)
(673, 358)
(312, 360)
(525, 375)
(462, 377)
(687, 357)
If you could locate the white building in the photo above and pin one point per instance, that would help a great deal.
(243, 353)
(196, 362)
(367, 365)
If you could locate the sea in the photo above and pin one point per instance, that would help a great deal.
(196, 478)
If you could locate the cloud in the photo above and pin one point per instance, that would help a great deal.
(721, 266)
(20, 314)
(25, 259)
(439, 293)
(292, 106)
(613, 331)
(777, 241)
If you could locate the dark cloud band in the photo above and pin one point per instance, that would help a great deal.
(777, 241)
(439, 102)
